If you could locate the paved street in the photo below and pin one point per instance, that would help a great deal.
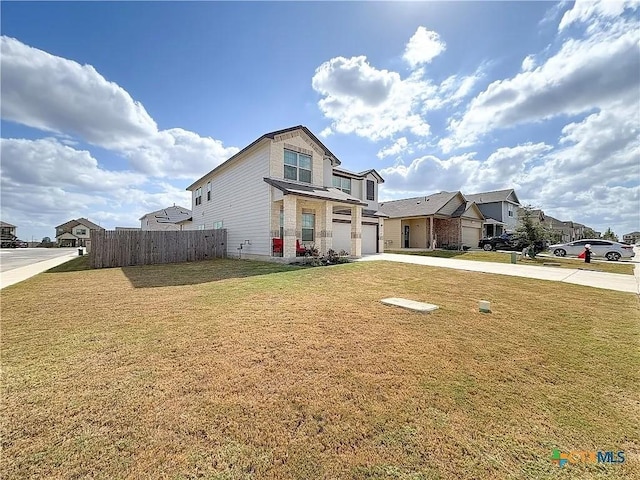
(11, 258)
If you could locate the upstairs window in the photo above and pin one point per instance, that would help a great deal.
(198, 195)
(510, 212)
(297, 166)
(371, 190)
(217, 225)
(342, 183)
(208, 191)
(81, 231)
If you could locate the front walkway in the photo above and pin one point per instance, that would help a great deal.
(609, 281)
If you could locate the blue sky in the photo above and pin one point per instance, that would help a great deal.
(109, 110)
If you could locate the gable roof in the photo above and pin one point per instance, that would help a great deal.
(6, 225)
(362, 174)
(80, 221)
(173, 214)
(495, 196)
(464, 208)
(417, 206)
(271, 136)
(313, 191)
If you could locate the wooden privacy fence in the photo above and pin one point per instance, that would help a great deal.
(124, 248)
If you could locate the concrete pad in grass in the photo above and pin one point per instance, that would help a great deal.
(410, 304)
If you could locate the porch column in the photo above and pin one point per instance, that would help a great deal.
(290, 226)
(380, 235)
(325, 225)
(431, 232)
(356, 231)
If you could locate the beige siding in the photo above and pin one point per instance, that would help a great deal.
(392, 233)
(239, 199)
(417, 232)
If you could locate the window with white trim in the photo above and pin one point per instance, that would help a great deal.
(217, 225)
(208, 191)
(510, 210)
(198, 195)
(81, 231)
(342, 183)
(201, 227)
(297, 166)
(308, 227)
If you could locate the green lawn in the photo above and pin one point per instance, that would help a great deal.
(245, 370)
(502, 257)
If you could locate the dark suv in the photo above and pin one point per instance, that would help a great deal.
(508, 241)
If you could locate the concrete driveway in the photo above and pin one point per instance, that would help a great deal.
(17, 264)
(608, 281)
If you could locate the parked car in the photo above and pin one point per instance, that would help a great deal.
(508, 241)
(599, 248)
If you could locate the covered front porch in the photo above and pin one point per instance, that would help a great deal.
(427, 232)
(492, 228)
(300, 224)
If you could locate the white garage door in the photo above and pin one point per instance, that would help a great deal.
(470, 236)
(341, 237)
(369, 239)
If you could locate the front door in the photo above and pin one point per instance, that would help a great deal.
(406, 236)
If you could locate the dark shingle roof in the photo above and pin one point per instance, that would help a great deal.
(172, 214)
(6, 225)
(417, 206)
(313, 191)
(491, 197)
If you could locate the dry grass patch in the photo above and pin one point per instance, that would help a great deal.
(502, 257)
(239, 370)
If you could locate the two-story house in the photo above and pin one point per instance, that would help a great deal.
(500, 209)
(75, 233)
(167, 219)
(284, 191)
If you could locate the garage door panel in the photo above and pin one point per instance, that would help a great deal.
(470, 236)
(369, 238)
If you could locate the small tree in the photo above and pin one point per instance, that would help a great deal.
(46, 240)
(609, 235)
(589, 233)
(531, 234)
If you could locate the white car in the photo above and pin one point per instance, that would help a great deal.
(599, 248)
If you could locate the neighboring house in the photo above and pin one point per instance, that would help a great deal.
(565, 231)
(284, 191)
(500, 209)
(75, 233)
(445, 219)
(8, 234)
(170, 218)
(632, 238)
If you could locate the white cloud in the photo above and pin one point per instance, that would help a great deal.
(377, 104)
(589, 10)
(583, 75)
(58, 95)
(49, 163)
(69, 183)
(528, 63)
(423, 47)
(369, 102)
(399, 146)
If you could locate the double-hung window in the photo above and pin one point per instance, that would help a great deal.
(198, 195)
(308, 227)
(297, 166)
(510, 210)
(342, 183)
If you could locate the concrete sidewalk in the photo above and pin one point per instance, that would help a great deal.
(608, 281)
(11, 277)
